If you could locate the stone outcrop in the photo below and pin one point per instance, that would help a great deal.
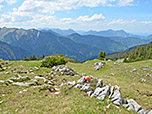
(64, 70)
(99, 65)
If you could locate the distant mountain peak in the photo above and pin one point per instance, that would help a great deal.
(109, 33)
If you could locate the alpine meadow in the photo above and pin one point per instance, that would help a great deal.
(75, 57)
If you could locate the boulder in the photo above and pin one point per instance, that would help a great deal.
(9, 81)
(134, 69)
(20, 78)
(22, 84)
(111, 91)
(104, 93)
(143, 111)
(40, 80)
(2, 82)
(81, 80)
(86, 87)
(117, 99)
(99, 65)
(100, 83)
(92, 77)
(78, 86)
(64, 70)
(90, 93)
(62, 84)
(50, 82)
(133, 105)
(71, 83)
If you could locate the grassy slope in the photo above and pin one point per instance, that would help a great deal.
(75, 101)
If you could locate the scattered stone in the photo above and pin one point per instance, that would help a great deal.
(112, 74)
(133, 105)
(9, 81)
(108, 106)
(20, 78)
(4, 63)
(99, 65)
(2, 82)
(117, 99)
(92, 77)
(56, 93)
(84, 74)
(4, 68)
(86, 87)
(1, 102)
(71, 83)
(36, 68)
(20, 92)
(106, 77)
(63, 84)
(100, 83)
(50, 82)
(147, 74)
(81, 80)
(143, 80)
(6, 72)
(90, 93)
(104, 93)
(134, 70)
(64, 70)
(40, 80)
(150, 112)
(111, 91)
(143, 111)
(22, 84)
(25, 90)
(78, 86)
(19, 84)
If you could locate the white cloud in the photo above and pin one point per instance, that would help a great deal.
(93, 18)
(9, 1)
(121, 21)
(86, 18)
(146, 22)
(125, 2)
(47, 6)
(1, 6)
(1, 1)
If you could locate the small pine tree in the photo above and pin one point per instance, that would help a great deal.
(30, 57)
(102, 55)
(1, 66)
(33, 57)
(125, 60)
(43, 56)
(38, 58)
(25, 58)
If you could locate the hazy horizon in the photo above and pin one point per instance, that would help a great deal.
(132, 16)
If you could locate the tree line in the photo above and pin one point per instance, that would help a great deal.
(33, 57)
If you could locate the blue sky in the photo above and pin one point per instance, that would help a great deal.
(134, 16)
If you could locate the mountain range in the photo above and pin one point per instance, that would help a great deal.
(67, 42)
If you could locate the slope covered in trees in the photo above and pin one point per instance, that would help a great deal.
(139, 53)
(11, 52)
(102, 43)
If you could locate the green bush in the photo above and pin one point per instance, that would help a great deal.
(52, 61)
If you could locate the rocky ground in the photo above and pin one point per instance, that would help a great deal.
(91, 87)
